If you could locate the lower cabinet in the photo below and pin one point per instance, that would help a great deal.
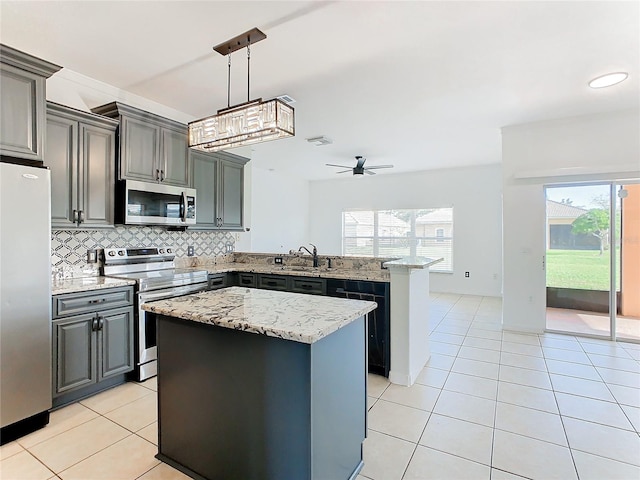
(218, 280)
(92, 350)
(378, 328)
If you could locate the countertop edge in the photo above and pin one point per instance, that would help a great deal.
(216, 319)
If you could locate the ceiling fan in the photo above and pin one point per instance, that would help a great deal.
(359, 169)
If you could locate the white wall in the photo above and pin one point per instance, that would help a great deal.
(474, 193)
(577, 149)
(84, 93)
(279, 213)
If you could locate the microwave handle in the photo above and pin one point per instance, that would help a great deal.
(183, 207)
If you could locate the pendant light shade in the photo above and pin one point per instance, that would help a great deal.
(251, 122)
(245, 124)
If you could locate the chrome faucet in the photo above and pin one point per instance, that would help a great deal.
(314, 253)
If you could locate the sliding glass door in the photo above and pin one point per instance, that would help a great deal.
(593, 259)
(627, 319)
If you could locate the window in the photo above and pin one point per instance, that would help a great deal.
(400, 233)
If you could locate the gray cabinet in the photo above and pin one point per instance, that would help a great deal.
(74, 352)
(81, 157)
(219, 182)
(218, 280)
(151, 148)
(92, 341)
(22, 104)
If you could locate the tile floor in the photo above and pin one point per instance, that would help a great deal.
(591, 323)
(489, 405)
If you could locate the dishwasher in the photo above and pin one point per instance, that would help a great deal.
(378, 328)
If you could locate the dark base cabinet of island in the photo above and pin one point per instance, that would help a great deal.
(240, 405)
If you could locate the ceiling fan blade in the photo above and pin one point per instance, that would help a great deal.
(344, 171)
(334, 165)
(369, 172)
(361, 161)
(380, 166)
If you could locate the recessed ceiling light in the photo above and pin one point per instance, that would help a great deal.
(608, 79)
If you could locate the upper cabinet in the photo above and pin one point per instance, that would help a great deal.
(22, 105)
(151, 148)
(81, 156)
(219, 182)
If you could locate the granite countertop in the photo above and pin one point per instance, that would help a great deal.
(413, 262)
(291, 316)
(84, 284)
(380, 275)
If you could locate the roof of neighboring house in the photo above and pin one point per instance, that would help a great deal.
(440, 215)
(384, 219)
(563, 210)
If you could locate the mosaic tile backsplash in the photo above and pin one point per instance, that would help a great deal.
(69, 247)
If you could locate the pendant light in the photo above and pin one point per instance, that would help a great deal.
(251, 122)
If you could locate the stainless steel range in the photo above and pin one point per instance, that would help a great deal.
(156, 278)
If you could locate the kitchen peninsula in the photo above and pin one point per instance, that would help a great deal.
(261, 384)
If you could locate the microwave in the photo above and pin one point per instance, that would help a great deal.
(144, 203)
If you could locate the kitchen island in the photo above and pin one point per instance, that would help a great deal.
(259, 384)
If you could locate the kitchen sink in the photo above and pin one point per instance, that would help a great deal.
(296, 268)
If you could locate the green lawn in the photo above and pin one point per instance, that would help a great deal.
(583, 269)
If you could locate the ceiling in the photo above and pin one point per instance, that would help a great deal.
(421, 85)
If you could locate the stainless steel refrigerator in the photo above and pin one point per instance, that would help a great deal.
(25, 299)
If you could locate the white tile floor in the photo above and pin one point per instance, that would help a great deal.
(489, 405)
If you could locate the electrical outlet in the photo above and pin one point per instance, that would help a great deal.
(277, 260)
(92, 256)
(190, 251)
(466, 274)
(230, 247)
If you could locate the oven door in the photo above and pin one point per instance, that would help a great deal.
(146, 349)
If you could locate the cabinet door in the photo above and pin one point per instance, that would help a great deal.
(96, 186)
(22, 113)
(116, 341)
(175, 156)
(140, 150)
(62, 160)
(231, 193)
(74, 353)
(205, 178)
(273, 282)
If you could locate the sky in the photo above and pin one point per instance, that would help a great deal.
(582, 196)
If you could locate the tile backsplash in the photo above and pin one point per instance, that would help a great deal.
(69, 247)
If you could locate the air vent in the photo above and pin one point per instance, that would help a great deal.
(287, 99)
(319, 141)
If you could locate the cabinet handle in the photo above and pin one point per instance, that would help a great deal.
(306, 286)
(98, 300)
(75, 216)
(94, 323)
(80, 216)
(100, 323)
(162, 175)
(157, 174)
